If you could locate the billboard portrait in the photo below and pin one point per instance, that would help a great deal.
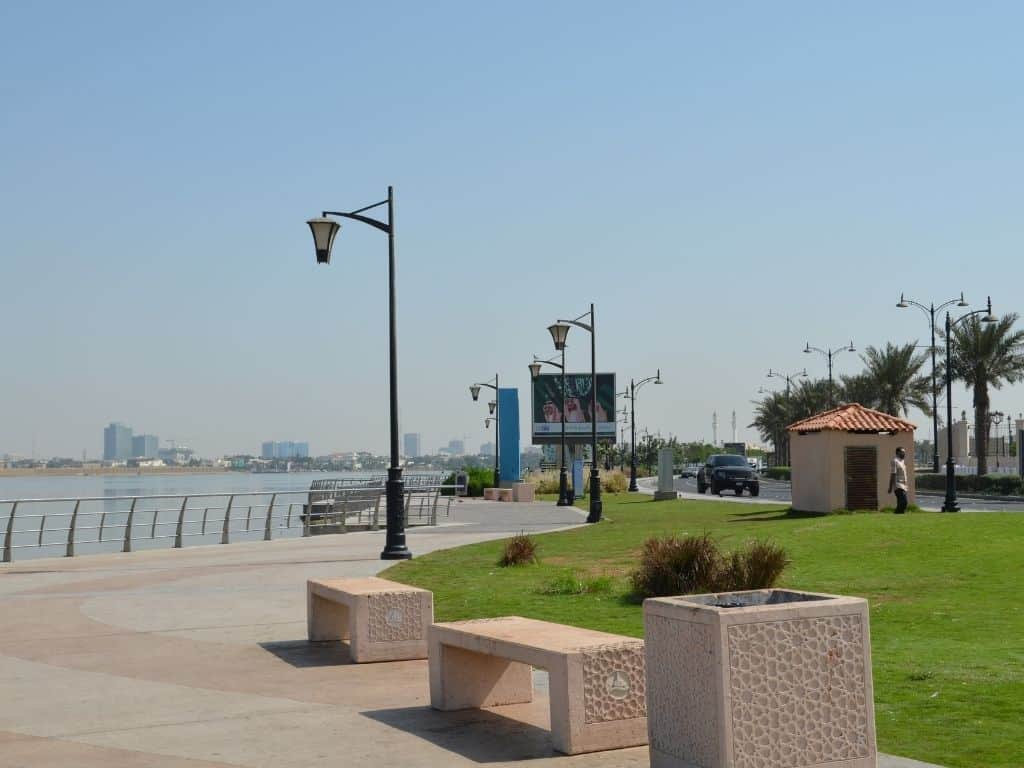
(548, 405)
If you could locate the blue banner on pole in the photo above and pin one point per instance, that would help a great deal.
(577, 478)
(508, 434)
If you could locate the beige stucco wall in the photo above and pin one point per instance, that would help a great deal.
(819, 467)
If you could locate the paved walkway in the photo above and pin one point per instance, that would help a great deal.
(197, 658)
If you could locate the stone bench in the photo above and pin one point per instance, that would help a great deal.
(381, 619)
(497, 494)
(596, 679)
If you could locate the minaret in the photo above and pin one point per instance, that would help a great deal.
(714, 428)
(734, 426)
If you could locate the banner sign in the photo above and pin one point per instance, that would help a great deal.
(549, 402)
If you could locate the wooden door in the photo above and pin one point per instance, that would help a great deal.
(861, 477)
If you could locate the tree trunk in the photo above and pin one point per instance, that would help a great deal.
(981, 405)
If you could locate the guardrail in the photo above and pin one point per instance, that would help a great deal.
(143, 521)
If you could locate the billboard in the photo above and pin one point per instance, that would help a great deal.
(548, 402)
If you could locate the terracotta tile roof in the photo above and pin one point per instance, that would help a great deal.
(852, 417)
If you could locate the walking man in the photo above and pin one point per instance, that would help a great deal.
(898, 481)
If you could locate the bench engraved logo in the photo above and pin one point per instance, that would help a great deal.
(617, 685)
(394, 617)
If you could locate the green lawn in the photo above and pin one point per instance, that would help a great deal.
(947, 624)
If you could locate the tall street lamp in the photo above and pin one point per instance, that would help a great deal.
(829, 353)
(563, 476)
(559, 331)
(324, 231)
(633, 387)
(474, 390)
(789, 383)
(950, 505)
(930, 311)
(996, 418)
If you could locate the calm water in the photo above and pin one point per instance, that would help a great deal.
(101, 525)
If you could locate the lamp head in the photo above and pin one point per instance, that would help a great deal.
(807, 348)
(534, 370)
(989, 317)
(324, 231)
(961, 303)
(559, 332)
(475, 392)
(902, 302)
(491, 406)
(851, 348)
(487, 423)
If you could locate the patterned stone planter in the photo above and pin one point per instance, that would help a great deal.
(764, 679)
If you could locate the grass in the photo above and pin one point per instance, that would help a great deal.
(947, 616)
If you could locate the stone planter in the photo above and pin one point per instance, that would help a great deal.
(771, 678)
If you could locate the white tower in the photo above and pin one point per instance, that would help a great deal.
(734, 426)
(714, 428)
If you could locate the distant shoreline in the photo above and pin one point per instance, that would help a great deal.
(128, 471)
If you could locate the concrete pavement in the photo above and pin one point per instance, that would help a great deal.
(197, 658)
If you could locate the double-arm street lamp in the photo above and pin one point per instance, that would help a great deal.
(474, 390)
(950, 505)
(829, 353)
(559, 331)
(930, 311)
(324, 231)
(563, 475)
(631, 394)
(788, 377)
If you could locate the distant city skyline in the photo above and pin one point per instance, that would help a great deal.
(759, 174)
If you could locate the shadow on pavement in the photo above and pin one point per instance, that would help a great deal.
(480, 735)
(302, 653)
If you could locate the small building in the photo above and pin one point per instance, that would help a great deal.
(841, 459)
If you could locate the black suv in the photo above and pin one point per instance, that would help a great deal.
(726, 470)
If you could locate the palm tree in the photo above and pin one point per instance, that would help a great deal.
(809, 398)
(898, 382)
(859, 388)
(986, 355)
(771, 417)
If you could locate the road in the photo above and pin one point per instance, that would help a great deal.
(778, 491)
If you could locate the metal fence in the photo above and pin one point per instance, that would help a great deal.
(94, 524)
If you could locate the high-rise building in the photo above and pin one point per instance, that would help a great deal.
(117, 442)
(145, 446)
(457, 447)
(284, 449)
(487, 449)
(302, 450)
(411, 442)
(267, 450)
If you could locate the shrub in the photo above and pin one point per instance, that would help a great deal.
(521, 549)
(614, 481)
(779, 473)
(695, 564)
(478, 478)
(547, 481)
(999, 485)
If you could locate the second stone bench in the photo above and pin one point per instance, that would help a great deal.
(596, 679)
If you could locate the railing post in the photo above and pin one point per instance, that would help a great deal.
(42, 527)
(179, 530)
(225, 534)
(305, 518)
(288, 521)
(248, 519)
(8, 546)
(206, 511)
(128, 528)
(70, 551)
(103, 521)
(433, 507)
(270, 512)
(375, 525)
(156, 514)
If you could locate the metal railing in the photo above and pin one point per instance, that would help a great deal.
(93, 524)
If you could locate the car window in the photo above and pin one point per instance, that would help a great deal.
(729, 461)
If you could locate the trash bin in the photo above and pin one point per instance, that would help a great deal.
(769, 677)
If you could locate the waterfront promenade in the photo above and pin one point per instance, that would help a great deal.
(197, 657)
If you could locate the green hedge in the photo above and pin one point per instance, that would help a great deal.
(997, 485)
(479, 478)
(778, 473)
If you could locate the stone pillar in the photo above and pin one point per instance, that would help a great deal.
(666, 486)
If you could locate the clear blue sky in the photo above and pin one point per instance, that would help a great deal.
(725, 180)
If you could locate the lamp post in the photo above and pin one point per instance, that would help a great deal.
(563, 475)
(997, 419)
(930, 311)
(559, 331)
(789, 381)
(633, 387)
(830, 353)
(474, 391)
(950, 505)
(324, 231)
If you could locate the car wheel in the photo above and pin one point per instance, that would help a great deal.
(701, 488)
(739, 491)
(755, 491)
